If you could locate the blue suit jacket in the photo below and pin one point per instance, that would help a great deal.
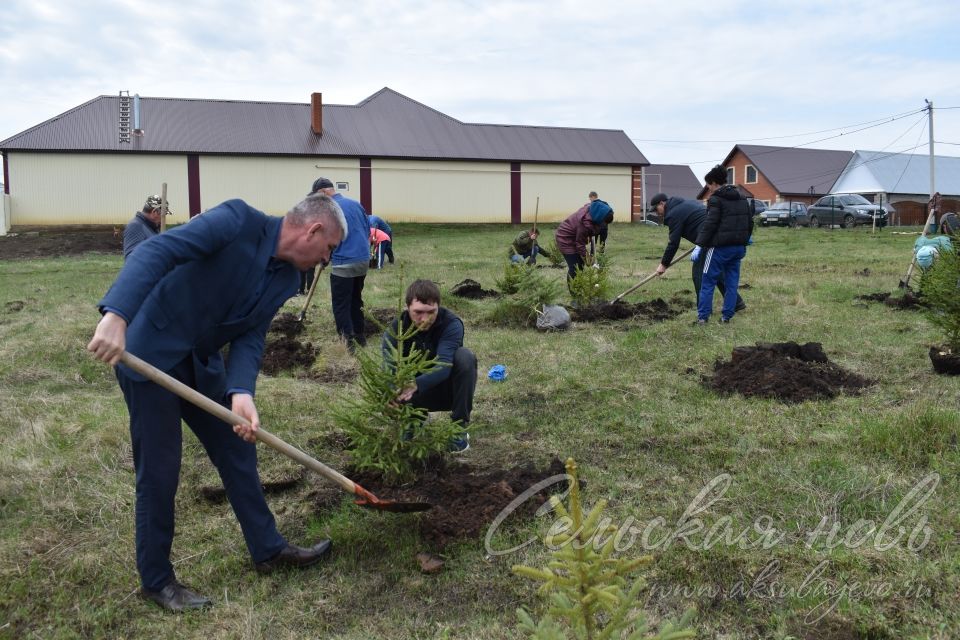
(201, 286)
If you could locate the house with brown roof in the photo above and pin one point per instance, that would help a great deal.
(402, 159)
(775, 174)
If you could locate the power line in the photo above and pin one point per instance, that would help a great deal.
(880, 156)
(803, 144)
(907, 164)
(875, 122)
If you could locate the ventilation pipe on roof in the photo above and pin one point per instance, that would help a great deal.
(137, 129)
(316, 113)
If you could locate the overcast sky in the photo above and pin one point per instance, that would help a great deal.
(685, 80)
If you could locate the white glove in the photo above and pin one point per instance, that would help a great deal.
(696, 254)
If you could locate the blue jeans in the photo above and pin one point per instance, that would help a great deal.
(721, 262)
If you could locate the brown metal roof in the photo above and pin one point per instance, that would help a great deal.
(387, 124)
(674, 180)
(793, 170)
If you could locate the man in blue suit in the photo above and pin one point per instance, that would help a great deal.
(191, 291)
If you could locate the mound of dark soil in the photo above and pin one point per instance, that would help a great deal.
(61, 241)
(656, 310)
(908, 300)
(286, 353)
(287, 325)
(465, 501)
(472, 289)
(383, 316)
(785, 371)
(944, 361)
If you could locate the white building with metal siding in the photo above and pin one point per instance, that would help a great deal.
(400, 158)
(91, 188)
(563, 189)
(441, 191)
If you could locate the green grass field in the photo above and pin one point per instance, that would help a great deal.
(855, 498)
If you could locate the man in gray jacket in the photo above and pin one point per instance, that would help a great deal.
(145, 225)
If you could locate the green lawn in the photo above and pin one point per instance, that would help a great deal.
(624, 400)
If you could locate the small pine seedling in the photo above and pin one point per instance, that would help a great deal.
(588, 590)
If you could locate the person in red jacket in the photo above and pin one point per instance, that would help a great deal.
(574, 234)
(378, 241)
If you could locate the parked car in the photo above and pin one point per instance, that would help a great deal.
(847, 210)
(786, 214)
(759, 206)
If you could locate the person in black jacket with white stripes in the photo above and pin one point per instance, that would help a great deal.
(684, 218)
(724, 235)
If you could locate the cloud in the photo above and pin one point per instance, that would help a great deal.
(659, 71)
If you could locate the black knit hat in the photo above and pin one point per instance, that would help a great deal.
(320, 183)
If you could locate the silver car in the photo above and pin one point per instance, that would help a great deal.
(847, 210)
(785, 214)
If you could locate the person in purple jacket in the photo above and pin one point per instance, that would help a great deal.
(574, 234)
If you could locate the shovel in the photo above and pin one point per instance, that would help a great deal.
(651, 276)
(313, 287)
(363, 497)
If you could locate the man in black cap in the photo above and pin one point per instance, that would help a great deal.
(684, 218)
(348, 267)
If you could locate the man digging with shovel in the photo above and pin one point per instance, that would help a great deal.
(191, 291)
(685, 218)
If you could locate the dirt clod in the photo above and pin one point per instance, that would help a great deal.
(786, 371)
(429, 562)
(472, 289)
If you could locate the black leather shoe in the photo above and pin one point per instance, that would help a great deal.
(176, 597)
(294, 556)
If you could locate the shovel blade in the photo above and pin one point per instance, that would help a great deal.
(367, 499)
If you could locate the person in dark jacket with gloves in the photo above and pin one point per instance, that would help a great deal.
(450, 386)
(684, 218)
(723, 236)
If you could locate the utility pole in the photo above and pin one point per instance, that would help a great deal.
(930, 129)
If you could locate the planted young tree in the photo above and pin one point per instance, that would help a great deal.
(590, 285)
(940, 293)
(588, 587)
(513, 274)
(555, 257)
(385, 436)
(531, 291)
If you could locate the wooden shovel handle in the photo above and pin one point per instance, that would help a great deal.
(313, 287)
(652, 275)
(217, 410)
